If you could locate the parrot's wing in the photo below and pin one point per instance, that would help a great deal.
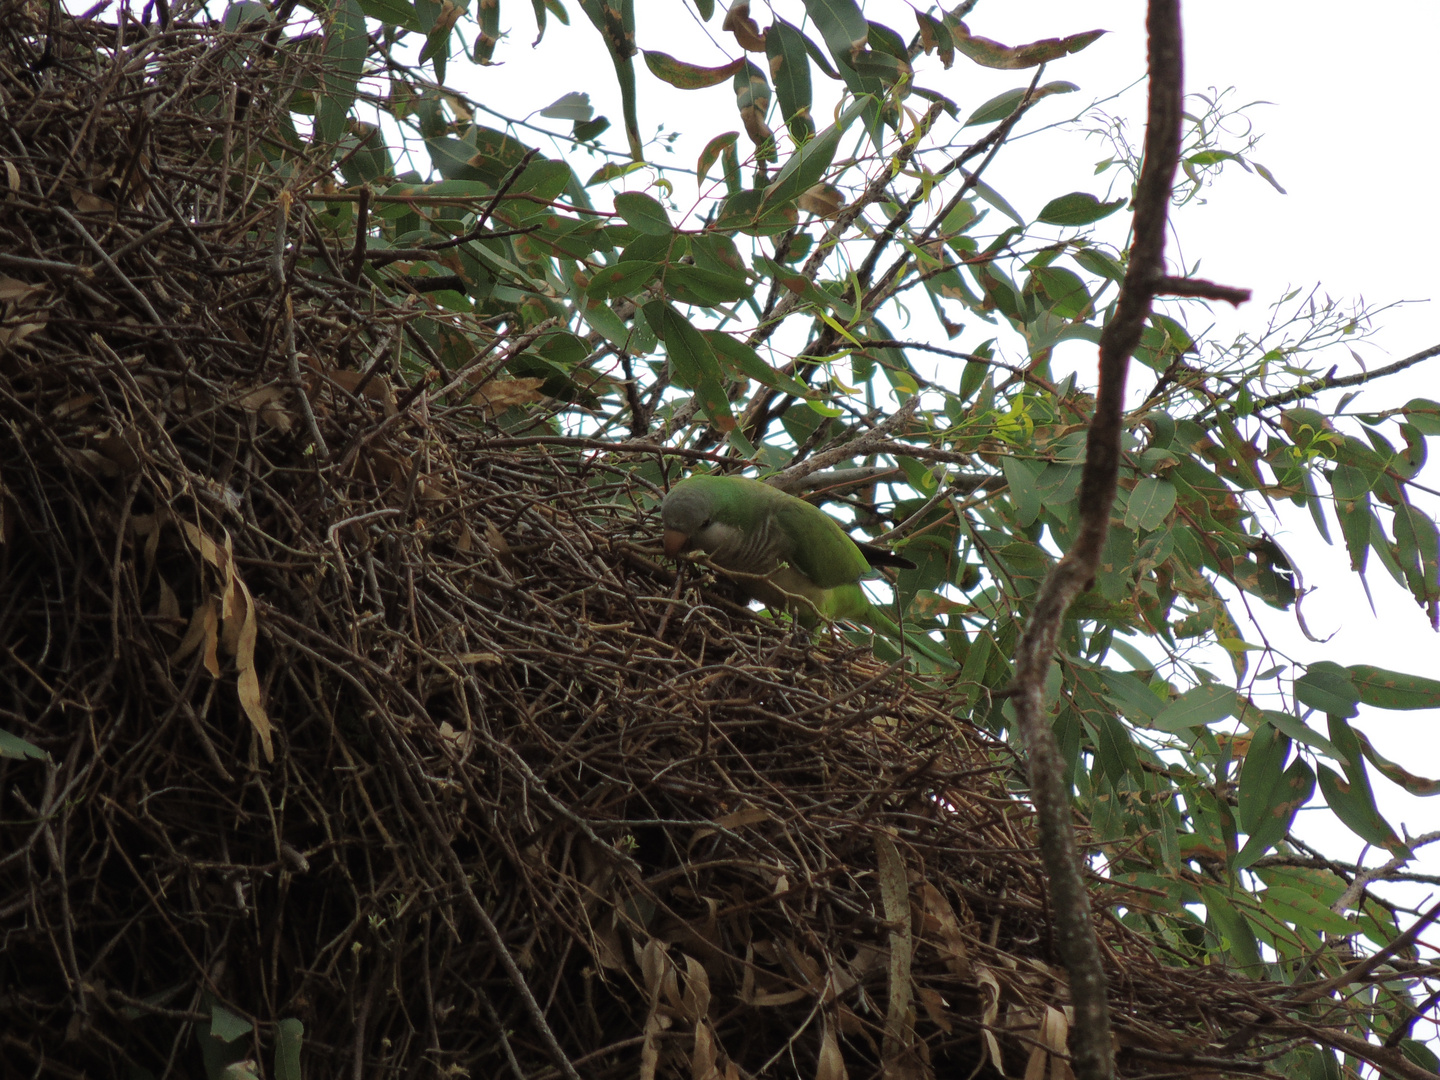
(819, 548)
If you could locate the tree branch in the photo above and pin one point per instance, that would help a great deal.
(1206, 290)
(1330, 382)
(1074, 930)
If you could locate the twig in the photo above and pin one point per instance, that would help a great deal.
(1074, 930)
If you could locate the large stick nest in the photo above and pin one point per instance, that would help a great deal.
(357, 711)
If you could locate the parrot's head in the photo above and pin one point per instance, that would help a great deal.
(688, 515)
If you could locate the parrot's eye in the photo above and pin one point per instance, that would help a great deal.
(706, 524)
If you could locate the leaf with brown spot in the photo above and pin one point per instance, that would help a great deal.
(686, 76)
(992, 54)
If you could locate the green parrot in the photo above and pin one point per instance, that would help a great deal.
(798, 558)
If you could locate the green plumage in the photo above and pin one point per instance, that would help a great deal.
(786, 553)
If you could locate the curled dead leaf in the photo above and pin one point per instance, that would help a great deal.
(822, 200)
(747, 32)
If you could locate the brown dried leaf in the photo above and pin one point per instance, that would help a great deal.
(822, 200)
(17, 292)
(703, 1057)
(940, 919)
(87, 203)
(829, 1063)
(895, 896)
(746, 30)
(377, 387)
(194, 634)
(497, 395)
(169, 604)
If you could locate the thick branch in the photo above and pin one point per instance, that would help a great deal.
(1206, 290)
(1074, 931)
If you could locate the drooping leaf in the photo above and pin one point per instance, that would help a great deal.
(693, 362)
(992, 54)
(342, 61)
(713, 149)
(688, 76)
(842, 24)
(790, 72)
(615, 19)
(752, 98)
(488, 16)
(1354, 805)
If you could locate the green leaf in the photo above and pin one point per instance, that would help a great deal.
(1392, 689)
(572, 106)
(624, 278)
(289, 1035)
(1131, 696)
(692, 361)
(1262, 780)
(713, 149)
(615, 19)
(1326, 686)
(752, 98)
(1002, 105)
(743, 211)
(1022, 476)
(995, 199)
(226, 1026)
(1297, 786)
(1300, 908)
(747, 362)
(342, 60)
(842, 24)
(393, 13)
(1150, 504)
(590, 130)
(1078, 208)
(1354, 805)
(643, 213)
(790, 72)
(12, 746)
(1352, 507)
(488, 16)
(1424, 414)
(613, 170)
(1297, 730)
(688, 76)
(1066, 293)
(807, 166)
(1197, 707)
(1234, 929)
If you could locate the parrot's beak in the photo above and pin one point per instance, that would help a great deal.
(675, 542)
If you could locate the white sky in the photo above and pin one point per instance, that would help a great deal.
(1347, 132)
